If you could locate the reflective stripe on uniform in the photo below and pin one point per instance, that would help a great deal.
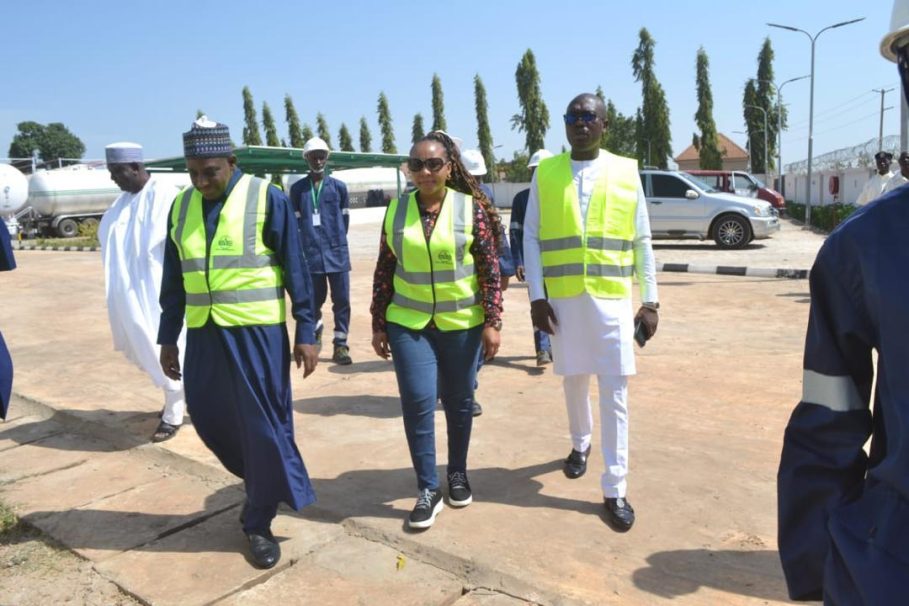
(838, 393)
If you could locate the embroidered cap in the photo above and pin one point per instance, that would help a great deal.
(207, 139)
(123, 153)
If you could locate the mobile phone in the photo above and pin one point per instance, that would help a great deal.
(639, 333)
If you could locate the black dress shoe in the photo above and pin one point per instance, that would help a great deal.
(264, 549)
(576, 464)
(619, 514)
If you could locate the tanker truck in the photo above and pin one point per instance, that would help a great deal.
(13, 193)
(60, 200)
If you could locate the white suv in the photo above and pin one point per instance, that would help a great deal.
(683, 206)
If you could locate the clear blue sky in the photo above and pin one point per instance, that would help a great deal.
(116, 71)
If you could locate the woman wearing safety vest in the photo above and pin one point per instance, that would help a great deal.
(437, 301)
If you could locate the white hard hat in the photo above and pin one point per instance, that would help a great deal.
(474, 162)
(315, 144)
(537, 157)
(899, 27)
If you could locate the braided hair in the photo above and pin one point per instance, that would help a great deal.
(462, 181)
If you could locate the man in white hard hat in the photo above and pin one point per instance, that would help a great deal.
(475, 164)
(132, 235)
(875, 185)
(518, 211)
(844, 512)
(322, 207)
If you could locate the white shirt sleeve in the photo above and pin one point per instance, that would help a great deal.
(533, 264)
(644, 262)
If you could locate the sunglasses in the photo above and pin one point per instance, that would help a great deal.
(434, 165)
(585, 117)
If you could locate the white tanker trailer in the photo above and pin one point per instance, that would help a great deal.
(60, 200)
(13, 193)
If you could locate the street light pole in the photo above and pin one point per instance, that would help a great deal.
(811, 103)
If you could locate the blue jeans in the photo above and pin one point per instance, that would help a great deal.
(430, 363)
(541, 341)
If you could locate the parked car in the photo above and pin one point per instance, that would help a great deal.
(740, 183)
(682, 206)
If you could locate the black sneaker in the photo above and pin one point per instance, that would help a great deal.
(459, 490)
(341, 356)
(429, 504)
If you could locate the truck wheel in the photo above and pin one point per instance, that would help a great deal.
(68, 228)
(732, 231)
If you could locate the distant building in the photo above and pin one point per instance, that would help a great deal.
(734, 157)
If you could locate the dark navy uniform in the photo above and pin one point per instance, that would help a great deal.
(844, 515)
(324, 220)
(7, 263)
(516, 233)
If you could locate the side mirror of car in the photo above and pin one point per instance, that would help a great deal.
(692, 195)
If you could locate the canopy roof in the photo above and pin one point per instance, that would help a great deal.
(261, 159)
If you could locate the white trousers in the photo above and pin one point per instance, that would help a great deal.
(613, 425)
(174, 406)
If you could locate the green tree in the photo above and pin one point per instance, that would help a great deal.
(619, 136)
(533, 120)
(759, 91)
(706, 143)
(268, 123)
(307, 133)
(416, 131)
(654, 138)
(388, 133)
(53, 142)
(345, 142)
(251, 134)
(484, 135)
(514, 170)
(365, 136)
(297, 139)
(322, 128)
(438, 105)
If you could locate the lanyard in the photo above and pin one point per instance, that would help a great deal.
(315, 195)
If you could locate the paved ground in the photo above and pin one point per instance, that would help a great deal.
(708, 407)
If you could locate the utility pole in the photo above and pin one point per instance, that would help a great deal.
(880, 133)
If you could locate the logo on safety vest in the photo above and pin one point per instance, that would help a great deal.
(444, 257)
(225, 243)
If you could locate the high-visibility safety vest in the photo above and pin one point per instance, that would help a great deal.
(240, 282)
(435, 279)
(598, 259)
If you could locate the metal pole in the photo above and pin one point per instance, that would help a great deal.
(810, 140)
(880, 132)
(779, 139)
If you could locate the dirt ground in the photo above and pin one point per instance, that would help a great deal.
(707, 410)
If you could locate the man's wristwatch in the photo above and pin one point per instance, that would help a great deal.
(653, 306)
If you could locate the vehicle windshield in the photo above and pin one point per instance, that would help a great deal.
(701, 183)
(760, 183)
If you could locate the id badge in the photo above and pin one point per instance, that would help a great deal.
(316, 219)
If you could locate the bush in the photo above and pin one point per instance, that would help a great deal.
(825, 218)
(88, 230)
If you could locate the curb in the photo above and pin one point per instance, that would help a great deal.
(727, 270)
(58, 248)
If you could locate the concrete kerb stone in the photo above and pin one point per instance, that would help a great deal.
(726, 270)
(58, 248)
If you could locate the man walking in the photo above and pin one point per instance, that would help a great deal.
(132, 235)
(586, 232)
(322, 208)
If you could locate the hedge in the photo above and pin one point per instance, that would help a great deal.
(825, 218)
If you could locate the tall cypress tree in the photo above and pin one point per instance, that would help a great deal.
(388, 132)
(619, 136)
(438, 105)
(251, 134)
(653, 126)
(365, 136)
(416, 131)
(271, 131)
(293, 123)
(322, 128)
(484, 136)
(759, 91)
(533, 120)
(307, 133)
(345, 142)
(708, 149)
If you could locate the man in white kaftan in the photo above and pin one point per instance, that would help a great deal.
(132, 235)
(593, 335)
(876, 184)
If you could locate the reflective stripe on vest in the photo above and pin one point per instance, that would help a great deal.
(598, 259)
(239, 282)
(435, 279)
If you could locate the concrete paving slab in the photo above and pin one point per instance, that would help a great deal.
(25, 430)
(208, 561)
(486, 597)
(49, 454)
(97, 478)
(135, 517)
(354, 571)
